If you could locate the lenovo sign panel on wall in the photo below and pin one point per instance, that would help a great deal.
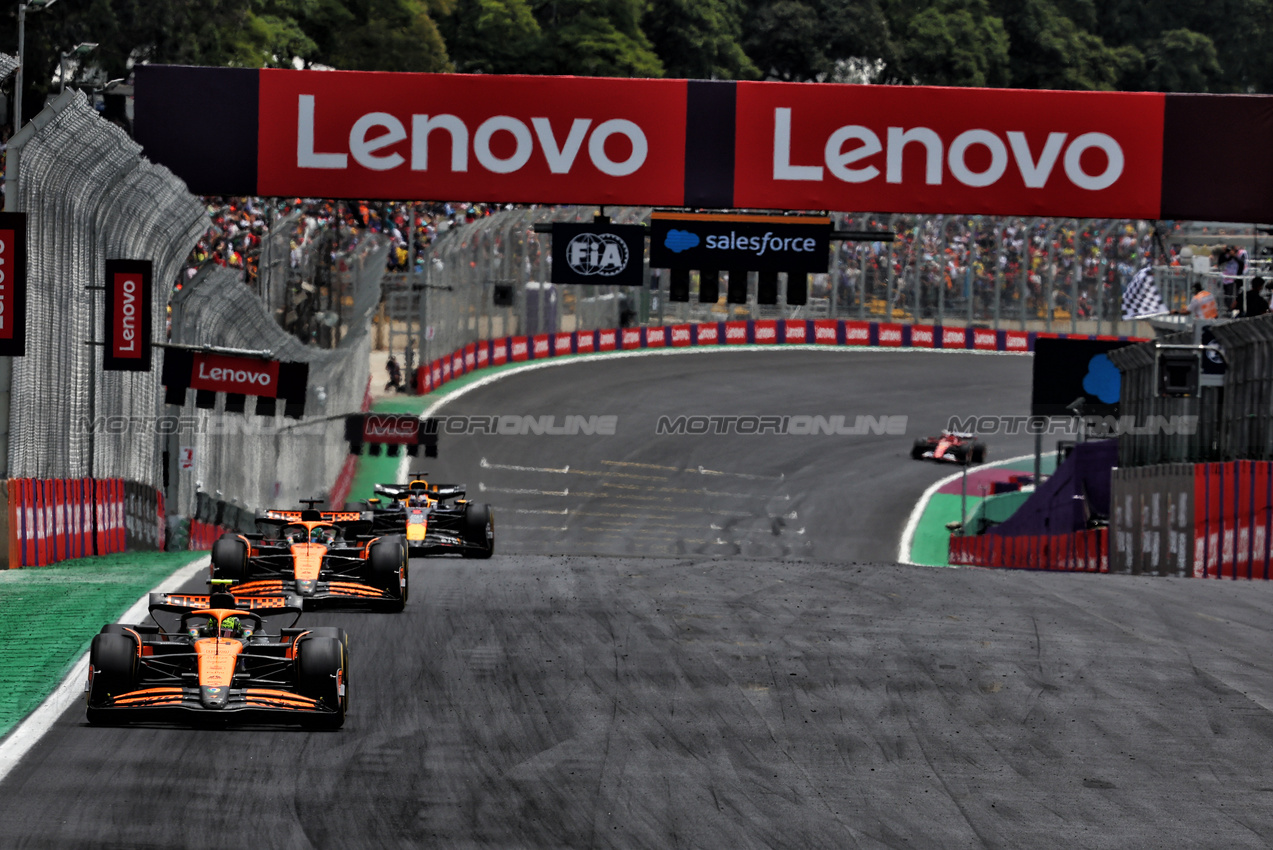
(598, 253)
(128, 316)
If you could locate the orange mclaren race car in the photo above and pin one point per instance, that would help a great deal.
(436, 519)
(219, 659)
(328, 558)
(951, 447)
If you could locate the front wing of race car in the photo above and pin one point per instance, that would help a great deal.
(182, 704)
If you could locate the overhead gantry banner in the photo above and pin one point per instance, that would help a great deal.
(761, 145)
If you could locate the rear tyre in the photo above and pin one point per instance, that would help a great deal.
(113, 657)
(387, 562)
(478, 527)
(917, 450)
(320, 674)
(230, 558)
(978, 452)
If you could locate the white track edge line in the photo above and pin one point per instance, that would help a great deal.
(32, 728)
(907, 539)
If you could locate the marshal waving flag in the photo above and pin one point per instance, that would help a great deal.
(1141, 297)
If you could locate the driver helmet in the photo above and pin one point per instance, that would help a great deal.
(231, 627)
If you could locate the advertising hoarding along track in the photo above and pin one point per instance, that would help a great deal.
(128, 316)
(644, 142)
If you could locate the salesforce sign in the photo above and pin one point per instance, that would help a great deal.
(793, 244)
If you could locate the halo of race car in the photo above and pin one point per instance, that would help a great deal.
(236, 655)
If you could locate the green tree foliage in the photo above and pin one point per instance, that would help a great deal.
(1164, 45)
(949, 43)
(812, 39)
(699, 39)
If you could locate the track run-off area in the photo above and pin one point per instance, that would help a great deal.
(704, 640)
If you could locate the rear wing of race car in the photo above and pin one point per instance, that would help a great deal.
(433, 491)
(285, 608)
(352, 523)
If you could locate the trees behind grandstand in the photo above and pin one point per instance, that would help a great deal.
(1063, 44)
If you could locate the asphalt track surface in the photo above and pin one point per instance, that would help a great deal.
(769, 697)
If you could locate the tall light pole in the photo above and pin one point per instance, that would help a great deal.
(77, 52)
(34, 6)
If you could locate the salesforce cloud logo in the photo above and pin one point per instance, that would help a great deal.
(677, 241)
(1102, 379)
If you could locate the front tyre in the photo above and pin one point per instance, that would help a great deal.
(112, 658)
(321, 674)
(478, 528)
(387, 561)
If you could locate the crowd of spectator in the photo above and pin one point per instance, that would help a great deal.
(950, 264)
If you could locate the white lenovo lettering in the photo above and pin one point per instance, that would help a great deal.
(863, 144)
(237, 376)
(373, 135)
(128, 316)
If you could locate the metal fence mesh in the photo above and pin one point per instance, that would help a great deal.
(490, 279)
(89, 196)
(254, 462)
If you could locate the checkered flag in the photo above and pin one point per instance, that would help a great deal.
(1141, 297)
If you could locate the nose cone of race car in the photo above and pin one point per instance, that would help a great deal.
(213, 697)
(306, 587)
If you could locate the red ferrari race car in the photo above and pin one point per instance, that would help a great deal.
(216, 659)
(951, 447)
(328, 558)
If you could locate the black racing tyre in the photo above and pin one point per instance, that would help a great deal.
(320, 675)
(478, 528)
(387, 562)
(978, 452)
(960, 455)
(917, 450)
(113, 657)
(230, 558)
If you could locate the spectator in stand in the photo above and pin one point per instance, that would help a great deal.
(1252, 303)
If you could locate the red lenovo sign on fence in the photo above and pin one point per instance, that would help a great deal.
(128, 322)
(708, 144)
(13, 284)
(223, 373)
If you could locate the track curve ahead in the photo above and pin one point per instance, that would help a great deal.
(786, 697)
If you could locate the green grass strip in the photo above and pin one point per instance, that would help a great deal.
(48, 616)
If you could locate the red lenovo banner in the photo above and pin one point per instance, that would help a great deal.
(224, 373)
(916, 148)
(128, 322)
(527, 139)
(708, 144)
(13, 284)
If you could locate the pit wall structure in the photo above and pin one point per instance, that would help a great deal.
(1205, 520)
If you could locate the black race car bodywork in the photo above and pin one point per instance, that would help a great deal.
(951, 447)
(219, 659)
(328, 558)
(435, 519)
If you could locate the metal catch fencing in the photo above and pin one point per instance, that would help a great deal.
(88, 195)
(251, 462)
(490, 279)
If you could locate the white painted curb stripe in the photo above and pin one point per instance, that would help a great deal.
(26, 734)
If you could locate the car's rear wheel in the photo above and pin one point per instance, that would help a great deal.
(978, 452)
(230, 558)
(917, 450)
(113, 658)
(321, 665)
(479, 530)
